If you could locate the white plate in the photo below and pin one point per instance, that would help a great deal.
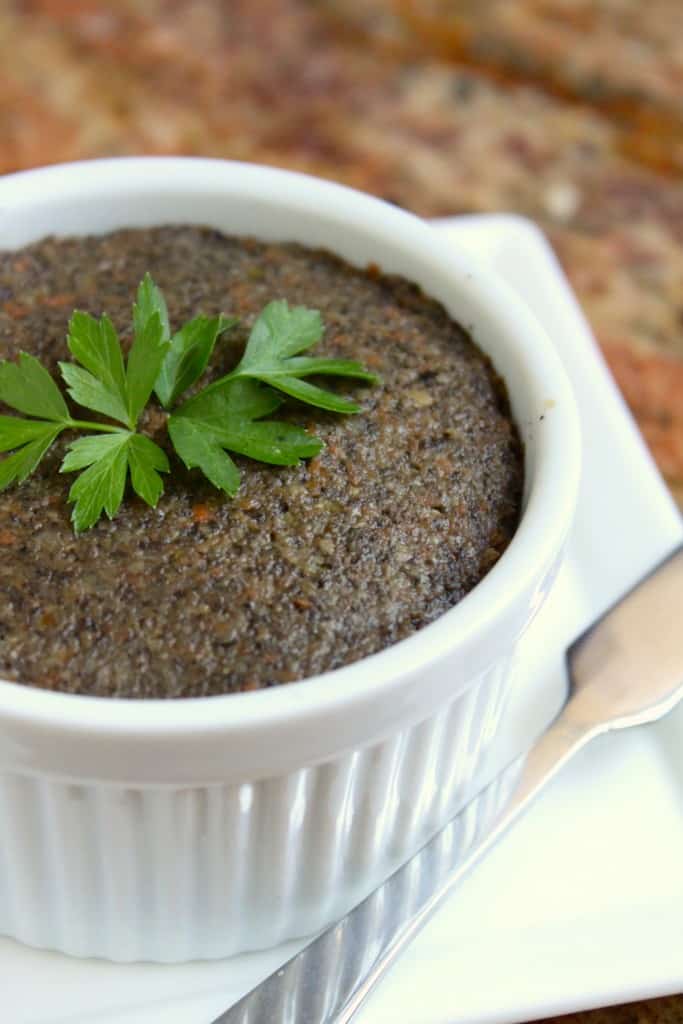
(582, 905)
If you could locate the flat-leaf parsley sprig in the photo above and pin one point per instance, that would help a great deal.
(227, 415)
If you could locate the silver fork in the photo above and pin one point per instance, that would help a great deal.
(625, 670)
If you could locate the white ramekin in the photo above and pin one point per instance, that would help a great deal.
(174, 830)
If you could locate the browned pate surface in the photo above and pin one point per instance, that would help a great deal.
(309, 568)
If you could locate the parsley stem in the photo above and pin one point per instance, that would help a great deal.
(104, 428)
(233, 375)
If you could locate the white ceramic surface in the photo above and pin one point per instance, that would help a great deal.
(560, 916)
(180, 829)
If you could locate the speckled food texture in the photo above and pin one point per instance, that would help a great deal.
(309, 568)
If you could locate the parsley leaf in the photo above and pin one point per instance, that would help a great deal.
(100, 487)
(188, 356)
(150, 300)
(146, 355)
(15, 431)
(108, 458)
(279, 334)
(101, 386)
(189, 350)
(230, 417)
(199, 449)
(27, 387)
(145, 461)
(102, 382)
(17, 467)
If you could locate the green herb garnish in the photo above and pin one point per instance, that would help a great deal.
(230, 414)
(272, 356)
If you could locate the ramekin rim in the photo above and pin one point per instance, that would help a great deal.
(542, 529)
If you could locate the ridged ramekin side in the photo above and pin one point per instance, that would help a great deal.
(171, 873)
